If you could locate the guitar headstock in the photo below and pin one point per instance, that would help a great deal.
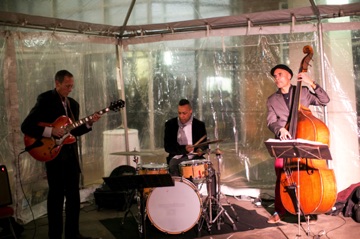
(117, 105)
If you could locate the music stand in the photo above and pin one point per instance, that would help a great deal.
(139, 182)
(298, 148)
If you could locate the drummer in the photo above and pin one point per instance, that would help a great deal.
(182, 134)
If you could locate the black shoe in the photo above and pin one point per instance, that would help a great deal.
(357, 212)
(85, 237)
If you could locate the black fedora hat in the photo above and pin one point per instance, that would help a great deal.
(281, 66)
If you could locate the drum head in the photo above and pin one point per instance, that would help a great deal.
(176, 209)
(154, 166)
(195, 162)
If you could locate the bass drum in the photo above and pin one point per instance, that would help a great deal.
(174, 210)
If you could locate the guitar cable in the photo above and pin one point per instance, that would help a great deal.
(17, 165)
(36, 144)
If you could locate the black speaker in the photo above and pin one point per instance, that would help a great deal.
(5, 191)
(120, 200)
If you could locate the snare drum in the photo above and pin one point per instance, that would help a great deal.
(176, 209)
(153, 168)
(195, 170)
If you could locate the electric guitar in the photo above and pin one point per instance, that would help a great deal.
(45, 149)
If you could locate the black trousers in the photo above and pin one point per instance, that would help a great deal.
(63, 174)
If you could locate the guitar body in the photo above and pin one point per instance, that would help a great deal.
(49, 147)
(47, 151)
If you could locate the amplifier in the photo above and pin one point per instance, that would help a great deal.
(5, 191)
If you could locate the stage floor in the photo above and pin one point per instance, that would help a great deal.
(327, 226)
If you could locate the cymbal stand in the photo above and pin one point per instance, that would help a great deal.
(211, 203)
(140, 217)
(140, 200)
(219, 194)
(133, 194)
(207, 214)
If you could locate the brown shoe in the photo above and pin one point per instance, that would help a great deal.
(275, 218)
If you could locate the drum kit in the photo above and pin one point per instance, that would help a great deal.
(177, 209)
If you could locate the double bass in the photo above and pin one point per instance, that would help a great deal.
(314, 178)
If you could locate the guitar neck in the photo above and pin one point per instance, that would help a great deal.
(82, 121)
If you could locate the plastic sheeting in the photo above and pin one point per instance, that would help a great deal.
(227, 79)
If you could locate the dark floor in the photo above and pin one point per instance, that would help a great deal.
(336, 227)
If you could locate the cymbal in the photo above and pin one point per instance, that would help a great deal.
(208, 142)
(134, 153)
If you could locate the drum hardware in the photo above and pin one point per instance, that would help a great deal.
(219, 193)
(213, 202)
(133, 195)
(140, 182)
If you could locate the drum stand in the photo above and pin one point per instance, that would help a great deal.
(140, 182)
(134, 195)
(212, 202)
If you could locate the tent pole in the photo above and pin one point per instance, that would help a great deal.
(121, 88)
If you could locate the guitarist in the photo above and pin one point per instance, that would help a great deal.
(63, 172)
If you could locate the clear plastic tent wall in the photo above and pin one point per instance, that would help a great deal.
(227, 80)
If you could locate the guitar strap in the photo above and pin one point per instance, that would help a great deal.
(71, 113)
(66, 103)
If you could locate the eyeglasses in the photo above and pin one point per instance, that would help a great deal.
(69, 86)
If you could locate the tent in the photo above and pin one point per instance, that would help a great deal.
(218, 54)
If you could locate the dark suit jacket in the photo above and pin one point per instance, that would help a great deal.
(170, 139)
(47, 109)
(278, 112)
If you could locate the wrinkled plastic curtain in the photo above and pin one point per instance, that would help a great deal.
(38, 56)
(226, 79)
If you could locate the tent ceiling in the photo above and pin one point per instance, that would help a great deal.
(249, 19)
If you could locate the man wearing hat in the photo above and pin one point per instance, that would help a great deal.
(278, 112)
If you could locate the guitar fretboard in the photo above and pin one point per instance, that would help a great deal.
(82, 121)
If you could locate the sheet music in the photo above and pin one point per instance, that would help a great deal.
(303, 141)
(297, 148)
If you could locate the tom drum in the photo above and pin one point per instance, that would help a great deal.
(195, 170)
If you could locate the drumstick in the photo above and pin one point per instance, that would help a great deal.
(202, 138)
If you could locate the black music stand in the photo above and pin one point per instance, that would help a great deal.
(298, 148)
(139, 182)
